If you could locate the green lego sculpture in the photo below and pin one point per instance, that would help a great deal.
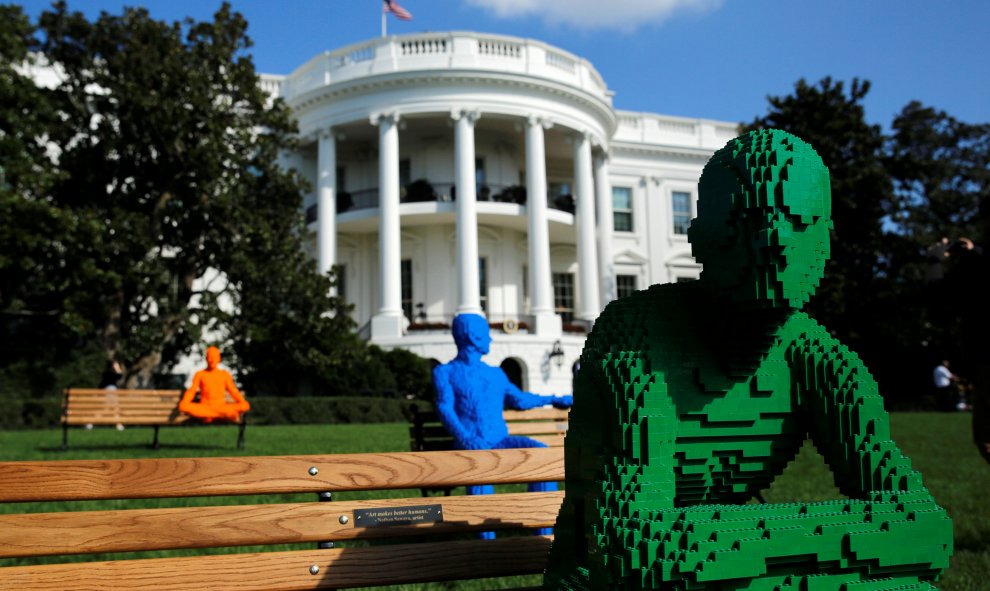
(692, 397)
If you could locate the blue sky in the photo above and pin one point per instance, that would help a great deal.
(715, 59)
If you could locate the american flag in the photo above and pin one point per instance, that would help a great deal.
(400, 13)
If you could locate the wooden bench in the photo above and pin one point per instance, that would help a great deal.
(84, 407)
(378, 542)
(549, 425)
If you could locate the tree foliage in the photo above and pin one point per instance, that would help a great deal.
(893, 200)
(941, 169)
(940, 166)
(151, 163)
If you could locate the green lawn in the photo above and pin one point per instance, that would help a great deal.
(939, 445)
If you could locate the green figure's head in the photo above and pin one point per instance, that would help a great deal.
(762, 231)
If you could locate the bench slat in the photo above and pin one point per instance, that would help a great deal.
(164, 412)
(537, 428)
(73, 392)
(85, 532)
(290, 571)
(114, 394)
(549, 440)
(189, 477)
(547, 425)
(82, 405)
(536, 414)
(523, 428)
(163, 420)
(124, 413)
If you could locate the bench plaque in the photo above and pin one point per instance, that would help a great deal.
(393, 516)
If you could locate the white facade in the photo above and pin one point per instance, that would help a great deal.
(483, 119)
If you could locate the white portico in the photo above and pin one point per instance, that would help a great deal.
(470, 173)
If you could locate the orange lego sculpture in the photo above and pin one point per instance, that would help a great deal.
(213, 384)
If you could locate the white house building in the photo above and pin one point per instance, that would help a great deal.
(465, 172)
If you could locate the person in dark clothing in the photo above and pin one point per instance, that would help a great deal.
(965, 281)
(110, 380)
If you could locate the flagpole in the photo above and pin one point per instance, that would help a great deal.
(383, 23)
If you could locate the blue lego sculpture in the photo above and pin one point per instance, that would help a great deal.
(471, 396)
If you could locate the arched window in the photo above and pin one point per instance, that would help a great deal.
(514, 371)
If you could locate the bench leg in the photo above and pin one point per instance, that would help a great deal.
(154, 443)
(65, 437)
(240, 434)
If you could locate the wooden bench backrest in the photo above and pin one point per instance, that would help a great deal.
(92, 406)
(86, 532)
(548, 425)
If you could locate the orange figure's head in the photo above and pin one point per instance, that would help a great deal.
(212, 357)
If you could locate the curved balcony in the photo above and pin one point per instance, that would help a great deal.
(431, 51)
(426, 192)
(428, 203)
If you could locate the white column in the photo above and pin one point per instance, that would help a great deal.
(546, 321)
(603, 195)
(584, 193)
(469, 301)
(326, 204)
(387, 323)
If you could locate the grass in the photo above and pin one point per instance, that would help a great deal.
(938, 444)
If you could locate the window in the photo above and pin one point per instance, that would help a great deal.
(483, 284)
(405, 172)
(340, 275)
(479, 171)
(680, 204)
(407, 295)
(563, 295)
(483, 191)
(625, 285)
(622, 220)
(560, 197)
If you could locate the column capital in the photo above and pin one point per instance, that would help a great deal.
(602, 156)
(326, 133)
(583, 134)
(545, 122)
(469, 115)
(392, 117)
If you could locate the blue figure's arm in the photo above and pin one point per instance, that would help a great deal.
(445, 404)
(516, 399)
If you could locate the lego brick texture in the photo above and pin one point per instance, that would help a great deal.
(692, 397)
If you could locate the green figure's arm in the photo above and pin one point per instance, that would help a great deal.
(848, 425)
(619, 457)
(890, 533)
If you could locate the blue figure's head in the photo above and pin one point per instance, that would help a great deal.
(471, 334)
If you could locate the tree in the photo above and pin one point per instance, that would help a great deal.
(162, 149)
(941, 169)
(832, 120)
(941, 174)
(40, 243)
